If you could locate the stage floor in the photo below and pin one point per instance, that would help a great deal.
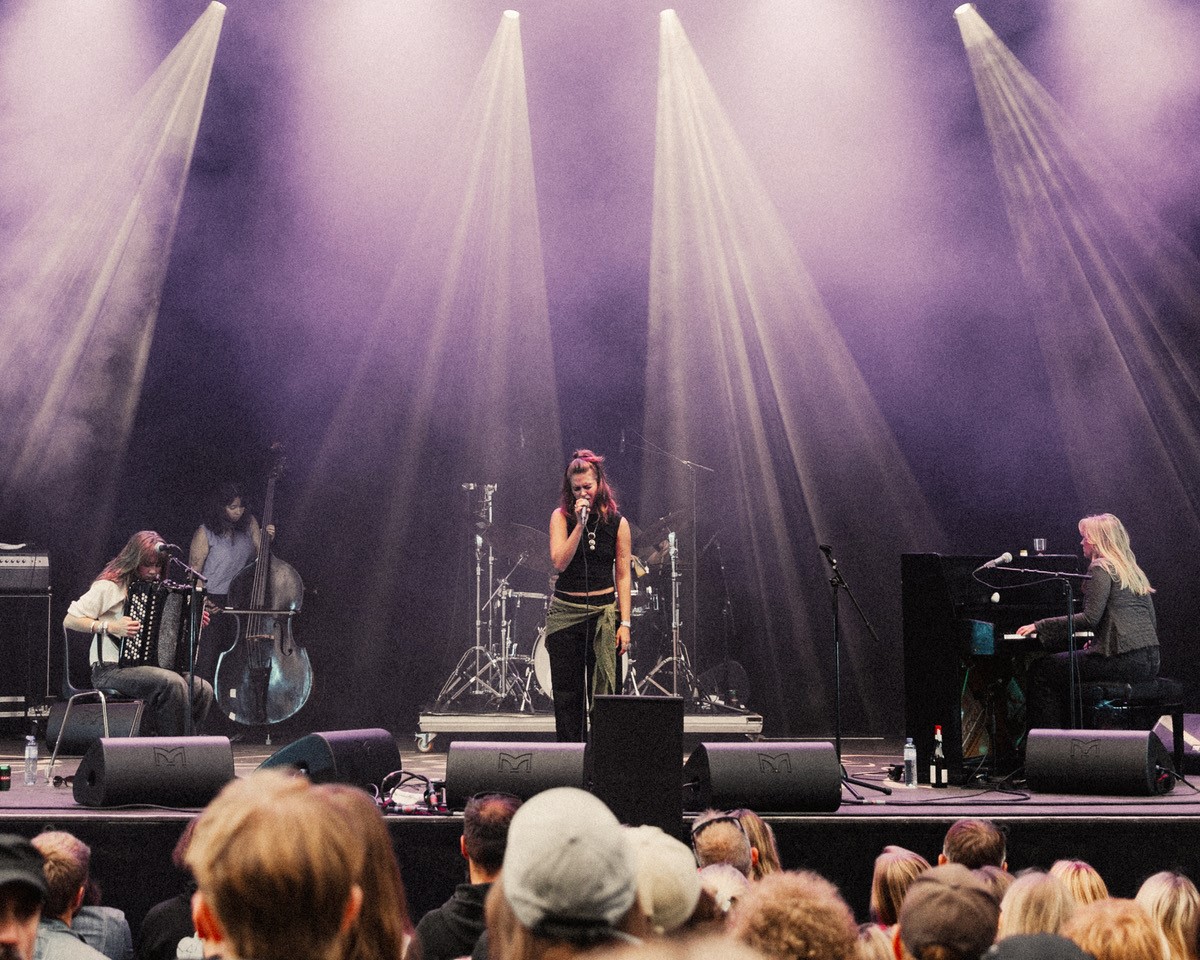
(1126, 838)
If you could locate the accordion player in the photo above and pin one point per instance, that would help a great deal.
(163, 610)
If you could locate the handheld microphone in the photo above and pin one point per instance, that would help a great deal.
(1005, 557)
(583, 515)
(161, 547)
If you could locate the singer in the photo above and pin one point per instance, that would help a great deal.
(590, 549)
(1117, 607)
(99, 612)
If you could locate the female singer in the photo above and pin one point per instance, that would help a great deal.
(1118, 609)
(223, 544)
(590, 549)
(100, 613)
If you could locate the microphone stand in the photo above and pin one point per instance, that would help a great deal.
(837, 584)
(196, 581)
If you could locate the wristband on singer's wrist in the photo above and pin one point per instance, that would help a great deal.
(627, 624)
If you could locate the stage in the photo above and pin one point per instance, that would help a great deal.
(1126, 838)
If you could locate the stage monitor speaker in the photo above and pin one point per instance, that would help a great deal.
(635, 760)
(777, 777)
(521, 769)
(1111, 762)
(86, 724)
(163, 771)
(362, 758)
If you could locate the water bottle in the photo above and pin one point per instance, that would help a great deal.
(910, 763)
(30, 760)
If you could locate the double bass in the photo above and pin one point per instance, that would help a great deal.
(265, 676)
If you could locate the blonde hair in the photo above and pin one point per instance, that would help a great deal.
(277, 866)
(1035, 903)
(1113, 553)
(762, 839)
(65, 860)
(1116, 929)
(1082, 879)
(1173, 903)
(895, 870)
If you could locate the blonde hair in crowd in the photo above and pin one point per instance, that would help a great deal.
(1036, 903)
(1173, 902)
(1082, 879)
(895, 870)
(1113, 552)
(277, 868)
(1116, 929)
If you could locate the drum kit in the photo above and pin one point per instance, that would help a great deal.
(496, 672)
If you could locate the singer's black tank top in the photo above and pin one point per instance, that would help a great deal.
(591, 570)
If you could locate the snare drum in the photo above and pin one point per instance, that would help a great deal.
(541, 664)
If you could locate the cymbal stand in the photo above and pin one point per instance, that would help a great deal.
(678, 662)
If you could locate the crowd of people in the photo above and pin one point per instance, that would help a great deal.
(557, 877)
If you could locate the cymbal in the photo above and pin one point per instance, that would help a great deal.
(652, 540)
(521, 544)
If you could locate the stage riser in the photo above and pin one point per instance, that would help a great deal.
(131, 858)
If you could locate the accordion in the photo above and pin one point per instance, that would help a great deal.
(161, 640)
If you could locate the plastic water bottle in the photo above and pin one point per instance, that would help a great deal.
(910, 763)
(31, 760)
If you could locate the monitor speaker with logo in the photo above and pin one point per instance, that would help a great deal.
(779, 777)
(361, 758)
(163, 771)
(635, 759)
(521, 769)
(86, 724)
(1115, 762)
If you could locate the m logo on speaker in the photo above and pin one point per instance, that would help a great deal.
(515, 762)
(170, 756)
(776, 763)
(1083, 749)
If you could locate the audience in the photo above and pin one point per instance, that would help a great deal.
(1036, 902)
(168, 923)
(452, 929)
(725, 884)
(762, 840)
(1114, 929)
(895, 870)
(1036, 946)
(22, 893)
(277, 871)
(65, 860)
(790, 916)
(998, 880)
(102, 926)
(668, 885)
(874, 942)
(1173, 903)
(720, 838)
(974, 844)
(1085, 884)
(948, 914)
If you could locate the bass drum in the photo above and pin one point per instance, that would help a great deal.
(541, 665)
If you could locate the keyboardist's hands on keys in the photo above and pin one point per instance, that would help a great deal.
(1025, 631)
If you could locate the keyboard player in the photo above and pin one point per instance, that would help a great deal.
(1117, 608)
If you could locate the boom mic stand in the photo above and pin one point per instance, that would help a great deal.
(836, 585)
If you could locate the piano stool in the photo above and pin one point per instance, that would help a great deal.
(1118, 705)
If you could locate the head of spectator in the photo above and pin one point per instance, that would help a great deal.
(278, 874)
(874, 942)
(668, 885)
(792, 915)
(895, 870)
(485, 834)
(1116, 929)
(383, 928)
(762, 840)
(1036, 946)
(66, 862)
(948, 914)
(1035, 903)
(726, 884)
(568, 882)
(974, 844)
(1082, 879)
(999, 880)
(704, 947)
(1173, 902)
(720, 838)
(22, 891)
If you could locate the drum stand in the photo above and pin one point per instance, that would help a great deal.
(678, 663)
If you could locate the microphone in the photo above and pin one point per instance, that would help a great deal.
(583, 515)
(161, 547)
(1005, 557)
(828, 551)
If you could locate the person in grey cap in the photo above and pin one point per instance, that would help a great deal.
(947, 914)
(22, 891)
(568, 882)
